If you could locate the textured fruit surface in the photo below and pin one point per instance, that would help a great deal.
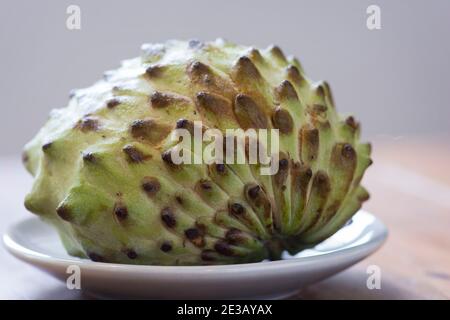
(103, 178)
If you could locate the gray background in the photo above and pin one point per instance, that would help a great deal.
(396, 80)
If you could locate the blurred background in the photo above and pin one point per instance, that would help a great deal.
(395, 80)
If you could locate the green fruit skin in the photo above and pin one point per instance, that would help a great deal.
(101, 178)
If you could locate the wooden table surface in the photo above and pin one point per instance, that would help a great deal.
(410, 191)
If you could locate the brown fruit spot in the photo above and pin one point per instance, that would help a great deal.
(185, 124)
(205, 185)
(318, 108)
(223, 248)
(95, 257)
(308, 173)
(89, 157)
(351, 122)
(120, 211)
(134, 155)
(284, 164)
(195, 236)
(322, 182)
(149, 130)
(253, 191)
(161, 100)
(195, 44)
(179, 200)
(257, 198)
(220, 168)
(182, 124)
(63, 212)
(87, 124)
(245, 69)
(154, 71)
(294, 75)
(282, 120)
(192, 233)
(276, 52)
(320, 91)
(286, 91)
(248, 113)
(212, 103)
(72, 93)
(46, 146)
(151, 186)
(111, 104)
(255, 55)
(328, 92)
(235, 236)
(139, 128)
(236, 209)
(348, 151)
(25, 157)
(166, 156)
(300, 179)
(168, 217)
(283, 172)
(208, 255)
(166, 246)
(363, 197)
(131, 254)
(309, 143)
(199, 72)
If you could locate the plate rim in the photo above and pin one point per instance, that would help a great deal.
(34, 257)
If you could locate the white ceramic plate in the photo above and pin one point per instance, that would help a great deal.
(36, 243)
